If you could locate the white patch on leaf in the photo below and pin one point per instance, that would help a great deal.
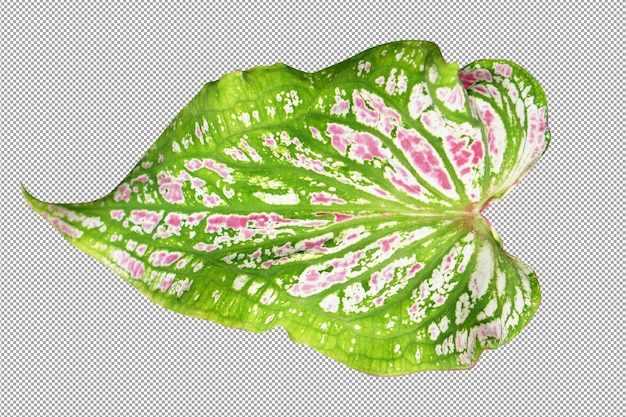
(330, 303)
(240, 281)
(480, 278)
(432, 74)
(353, 295)
(290, 198)
(500, 282)
(462, 309)
(434, 331)
(443, 324)
(519, 300)
(254, 287)
(490, 308)
(419, 100)
(268, 297)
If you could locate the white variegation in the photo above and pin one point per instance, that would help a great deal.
(344, 205)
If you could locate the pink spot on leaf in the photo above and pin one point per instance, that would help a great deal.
(63, 227)
(146, 219)
(310, 164)
(195, 219)
(401, 179)
(193, 164)
(339, 137)
(211, 200)
(283, 250)
(423, 156)
(268, 141)
(197, 183)
(503, 69)
(477, 149)
(413, 270)
(317, 244)
(122, 193)
(339, 217)
(342, 217)
(325, 199)
(423, 291)
(236, 154)
(220, 169)
(366, 147)
(341, 107)
(141, 249)
(172, 193)
(385, 243)
(205, 247)
(315, 133)
(391, 86)
(170, 188)
(251, 151)
(117, 214)
(134, 267)
(469, 78)
(164, 258)
(480, 89)
(453, 98)
(363, 114)
(380, 191)
(167, 281)
(142, 178)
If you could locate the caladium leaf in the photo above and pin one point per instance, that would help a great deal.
(344, 205)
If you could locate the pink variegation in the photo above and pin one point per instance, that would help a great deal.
(344, 205)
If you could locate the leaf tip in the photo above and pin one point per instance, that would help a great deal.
(32, 202)
(38, 206)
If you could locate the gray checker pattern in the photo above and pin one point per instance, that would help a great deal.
(86, 88)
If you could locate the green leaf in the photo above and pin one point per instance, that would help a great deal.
(344, 205)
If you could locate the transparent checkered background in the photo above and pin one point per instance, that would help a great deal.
(87, 88)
